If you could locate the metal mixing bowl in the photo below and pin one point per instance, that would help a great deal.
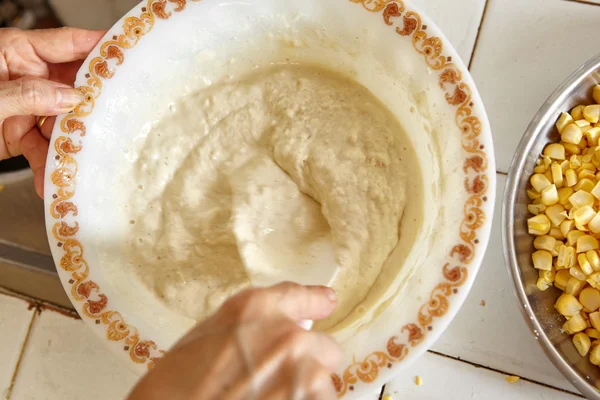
(537, 306)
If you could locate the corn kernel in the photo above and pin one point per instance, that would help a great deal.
(573, 236)
(590, 299)
(587, 242)
(556, 151)
(562, 260)
(511, 378)
(577, 273)
(593, 259)
(538, 225)
(570, 177)
(577, 112)
(584, 264)
(594, 280)
(594, 224)
(544, 243)
(596, 190)
(581, 198)
(554, 251)
(592, 113)
(556, 213)
(557, 175)
(535, 209)
(566, 257)
(592, 136)
(582, 343)
(532, 194)
(562, 278)
(584, 183)
(583, 145)
(593, 333)
(576, 324)
(564, 120)
(583, 215)
(568, 305)
(586, 163)
(563, 195)
(556, 234)
(571, 148)
(595, 354)
(572, 134)
(596, 93)
(574, 161)
(566, 227)
(547, 276)
(542, 259)
(575, 286)
(579, 227)
(596, 154)
(582, 123)
(542, 285)
(595, 319)
(550, 195)
(539, 182)
(546, 161)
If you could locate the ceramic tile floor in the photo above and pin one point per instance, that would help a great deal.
(518, 52)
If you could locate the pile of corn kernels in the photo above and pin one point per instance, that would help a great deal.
(565, 203)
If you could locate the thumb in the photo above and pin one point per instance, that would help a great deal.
(35, 96)
(303, 302)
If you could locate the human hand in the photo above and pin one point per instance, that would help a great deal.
(37, 71)
(252, 348)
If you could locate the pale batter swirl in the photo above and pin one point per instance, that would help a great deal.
(338, 157)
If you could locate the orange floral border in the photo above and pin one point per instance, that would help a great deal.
(455, 271)
(62, 208)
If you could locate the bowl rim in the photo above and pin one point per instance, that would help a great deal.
(473, 232)
(516, 171)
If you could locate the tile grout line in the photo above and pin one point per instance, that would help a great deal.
(42, 304)
(13, 379)
(499, 371)
(586, 2)
(483, 15)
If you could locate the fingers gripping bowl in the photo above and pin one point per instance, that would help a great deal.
(156, 55)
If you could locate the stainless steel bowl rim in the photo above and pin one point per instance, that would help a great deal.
(517, 168)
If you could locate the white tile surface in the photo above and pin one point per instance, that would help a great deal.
(64, 360)
(448, 379)
(15, 318)
(495, 335)
(526, 49)
(373, 396)
(458, 19)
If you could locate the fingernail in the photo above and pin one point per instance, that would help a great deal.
(331, 294)
(68, 98)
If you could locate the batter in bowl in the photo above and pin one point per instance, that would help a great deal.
(339, 167)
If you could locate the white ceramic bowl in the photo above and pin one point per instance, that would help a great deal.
(154, 51)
